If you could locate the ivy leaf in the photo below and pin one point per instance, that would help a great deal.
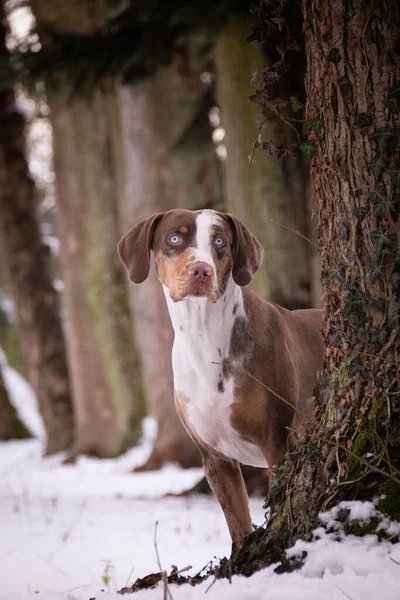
(356, 368)
(312, 452)
(308, 148)
(360, 213)
(377, 272)
(378, 194)
(278, 152)
(296, 104)
(354, 307)
(395, 175)
(363, 120)
(337, 273)
(254, 78)
(334, 56)
(377, 165)
(393, 101)
(380, 209)
(382, 237)
(316, 123)
(381, 202)
(385, 139)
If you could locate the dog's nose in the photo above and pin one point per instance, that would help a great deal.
(200, 270)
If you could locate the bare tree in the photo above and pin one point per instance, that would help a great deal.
(105, 371)
(30, 277)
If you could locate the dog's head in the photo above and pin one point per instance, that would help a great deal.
(195, 252)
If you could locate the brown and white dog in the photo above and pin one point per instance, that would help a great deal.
(223, 333)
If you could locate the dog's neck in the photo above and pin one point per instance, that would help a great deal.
(203, 330)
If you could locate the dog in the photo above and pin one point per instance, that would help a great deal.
(244, 368)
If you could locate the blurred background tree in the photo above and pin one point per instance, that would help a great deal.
(27, 264)
(149, 105)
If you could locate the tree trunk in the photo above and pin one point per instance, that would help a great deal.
(28, 261)
(106, 377)
(162, 172)
(10, 425)
(266, 193)
(351, 89)
(9, 339)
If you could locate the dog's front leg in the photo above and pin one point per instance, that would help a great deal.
(226, 481)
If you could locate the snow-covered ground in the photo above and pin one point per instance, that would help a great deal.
(70, 532)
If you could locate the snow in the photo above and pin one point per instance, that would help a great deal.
(23, 398)
(66, 527)
(360, 511)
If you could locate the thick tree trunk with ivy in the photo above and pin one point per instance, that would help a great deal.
(266, 193)
(353, 451)
(106, 376)
(164, 168)
(29, 275)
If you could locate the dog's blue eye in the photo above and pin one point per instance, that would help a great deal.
(218, 241)
(175, 239)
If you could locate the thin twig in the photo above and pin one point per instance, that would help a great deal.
(388, 344)
(255, 142)
(378, 358)
(296, 232)
(184, 569)
(388, 298)
(211, 584)
(385, 451)
(367, 63)
(164, 573)
(344, 593)
(224, 364)
(395, 561)
(129, 576)
(273, 109)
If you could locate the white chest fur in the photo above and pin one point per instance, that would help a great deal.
(202, 339)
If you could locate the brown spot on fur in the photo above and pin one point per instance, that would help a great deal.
(183, 229)
(223, 257)
(241, 343)
(172, 272)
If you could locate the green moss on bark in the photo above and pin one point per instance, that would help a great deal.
(389, 504)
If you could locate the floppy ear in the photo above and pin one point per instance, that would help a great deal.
(247, 252)
(134, 248)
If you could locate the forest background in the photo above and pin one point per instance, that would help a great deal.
(149, 110)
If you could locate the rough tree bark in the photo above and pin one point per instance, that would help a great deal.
(162, 172)
(30, 278)
(105, 371)
(268, 192)
(353, 102)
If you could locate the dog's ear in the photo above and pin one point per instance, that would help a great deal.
(247, 252)
(134, 248)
